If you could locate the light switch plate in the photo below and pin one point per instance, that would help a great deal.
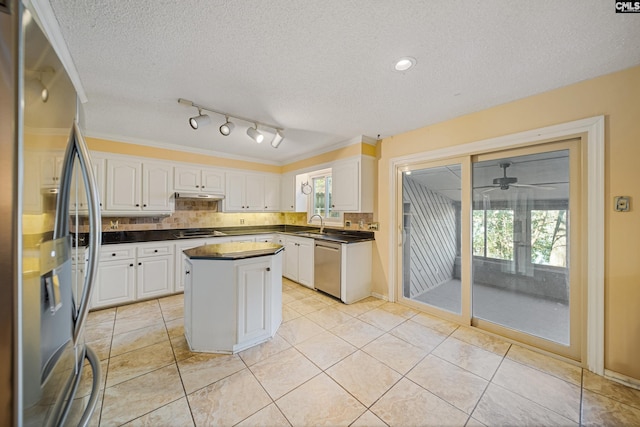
(621, 203)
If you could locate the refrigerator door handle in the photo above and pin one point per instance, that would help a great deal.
(77, 146)
(96, 373)
(95, 229)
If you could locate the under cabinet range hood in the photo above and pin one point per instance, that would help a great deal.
(201, 196)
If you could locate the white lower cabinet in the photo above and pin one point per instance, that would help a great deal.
(154, 270)
(128, 272)
(231, 305)
(115, 283)
(298, 264)
(181, 258)
(253, 287)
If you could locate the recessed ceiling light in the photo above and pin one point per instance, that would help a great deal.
(403, 64)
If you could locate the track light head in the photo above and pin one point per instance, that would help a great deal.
(277, 139)
(255, 134)
(199, 120)
(227, 127)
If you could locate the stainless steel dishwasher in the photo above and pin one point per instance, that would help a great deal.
(327, 267)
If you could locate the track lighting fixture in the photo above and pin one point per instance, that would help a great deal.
(199, 120)
(227, 127)
(255, 134)
(277, 139)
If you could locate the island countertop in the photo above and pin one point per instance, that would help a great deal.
(233, 250)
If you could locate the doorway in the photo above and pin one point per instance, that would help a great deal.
(490, 240)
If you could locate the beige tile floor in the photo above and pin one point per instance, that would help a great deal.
(367, 364)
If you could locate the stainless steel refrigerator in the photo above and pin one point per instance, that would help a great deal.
(49, 218)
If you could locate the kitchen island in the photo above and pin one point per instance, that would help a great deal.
(232, 295)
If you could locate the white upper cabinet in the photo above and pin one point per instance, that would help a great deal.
(212, 181)
(353, 183)
(156, 187)
(78, 196)
(50, 168)
(134, 186)
(291, 197)
(252, 192)
(272, 193)
(195, 179)
(124, 185)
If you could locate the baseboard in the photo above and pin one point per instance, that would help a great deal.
(379, 296)
(622, 379)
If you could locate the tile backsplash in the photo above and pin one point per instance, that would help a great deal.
(204, 214)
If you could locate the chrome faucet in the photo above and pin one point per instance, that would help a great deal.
(321, 222)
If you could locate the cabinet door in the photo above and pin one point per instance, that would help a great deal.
(282, 241)
(114, 283)
(50, 167)
(235, 194)
(154, 276)
(78, 196)
(254, 300)
(123, 185)
(288, 193)
(345, 186)
(290, 263)
(186, 178)
(212, 181)
(181, 261)
(305, 262)
(255, 187)
(156, 187)
(272, 193)
(188, 295)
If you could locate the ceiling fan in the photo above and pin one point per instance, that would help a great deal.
(505, 182)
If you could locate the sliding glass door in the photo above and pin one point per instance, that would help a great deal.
(432, 245)
(490, 240)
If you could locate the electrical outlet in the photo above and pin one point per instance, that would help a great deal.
(621, 204)
(347, 223)
(374, 226)
(241, 221)
(361, 224)
(114, 224)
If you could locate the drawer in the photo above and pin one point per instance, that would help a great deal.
(116, 252)
(156, 249)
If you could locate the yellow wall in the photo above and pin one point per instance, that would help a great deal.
(331, 156)
(174, 155)
(617, 96)
(180, 156)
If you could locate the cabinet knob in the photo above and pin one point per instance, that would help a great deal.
(130, 265)
(187, 272)
(291, 206)
(139, 263)
(155, 250)
(144, 206)
(137, 205)
(113, 254)
(268, 268)
(203, 186)
(265, 207)
(197, 186)
(333, 206)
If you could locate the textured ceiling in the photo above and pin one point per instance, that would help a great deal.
(323, 69)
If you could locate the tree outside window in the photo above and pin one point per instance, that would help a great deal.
(493, 233)
(549, 237)
(321, 198)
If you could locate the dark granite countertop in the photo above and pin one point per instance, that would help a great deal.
(234, 250)
(341, 236)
